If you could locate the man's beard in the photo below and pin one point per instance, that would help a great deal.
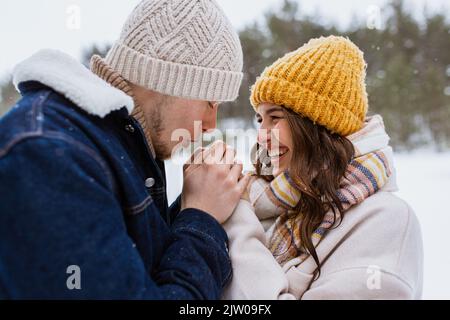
(155, 122)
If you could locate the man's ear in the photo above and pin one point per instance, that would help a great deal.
(141, 94)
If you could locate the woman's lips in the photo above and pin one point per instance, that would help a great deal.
(276, 156)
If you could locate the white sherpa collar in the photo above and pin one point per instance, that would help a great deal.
(70, 78)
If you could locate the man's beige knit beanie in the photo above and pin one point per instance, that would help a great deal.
(182, 48)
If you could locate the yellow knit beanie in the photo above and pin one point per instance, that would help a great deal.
(324, 80)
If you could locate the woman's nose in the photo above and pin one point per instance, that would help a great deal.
(264, 137)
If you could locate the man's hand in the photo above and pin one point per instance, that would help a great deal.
(212, 181)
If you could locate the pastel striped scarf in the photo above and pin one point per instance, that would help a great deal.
(366, 174)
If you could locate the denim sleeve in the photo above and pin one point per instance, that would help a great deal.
(57, 213)
(175, 209)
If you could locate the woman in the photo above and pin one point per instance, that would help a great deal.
(320, 220)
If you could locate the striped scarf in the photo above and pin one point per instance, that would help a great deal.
(369, 171)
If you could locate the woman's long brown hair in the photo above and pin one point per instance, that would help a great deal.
(319, 161)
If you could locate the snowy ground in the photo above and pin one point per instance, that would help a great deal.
(424, 182)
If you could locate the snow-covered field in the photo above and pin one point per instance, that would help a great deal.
(424, 182)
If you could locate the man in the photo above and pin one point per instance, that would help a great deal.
(83, 210)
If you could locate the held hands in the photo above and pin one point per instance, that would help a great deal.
(213, 182)
(246, 194)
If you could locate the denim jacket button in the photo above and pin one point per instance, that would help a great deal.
(129, 128)
(150, 182)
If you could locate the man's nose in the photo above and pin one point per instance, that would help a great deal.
(210, 122)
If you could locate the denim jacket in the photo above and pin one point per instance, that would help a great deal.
(83, 207)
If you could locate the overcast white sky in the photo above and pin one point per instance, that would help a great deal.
(29, 25)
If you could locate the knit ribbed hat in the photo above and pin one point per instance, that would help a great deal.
(182, 48)
(324, 81)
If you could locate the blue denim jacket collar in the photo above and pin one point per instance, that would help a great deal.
(74, 81)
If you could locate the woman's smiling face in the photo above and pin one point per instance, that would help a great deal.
(275, 135)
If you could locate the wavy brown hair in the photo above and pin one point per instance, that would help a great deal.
(319, 161)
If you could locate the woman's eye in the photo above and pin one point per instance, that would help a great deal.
(276, 118)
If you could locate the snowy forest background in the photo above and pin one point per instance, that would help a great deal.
(408, 82)
(408, 60)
